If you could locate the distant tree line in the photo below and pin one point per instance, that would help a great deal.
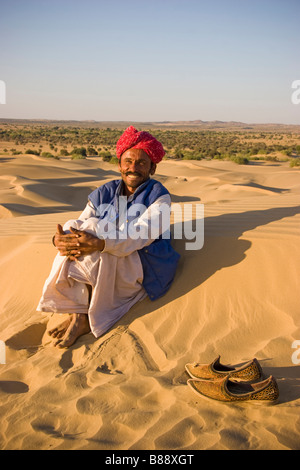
(238, 146)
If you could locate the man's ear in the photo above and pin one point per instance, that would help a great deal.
(153, 168)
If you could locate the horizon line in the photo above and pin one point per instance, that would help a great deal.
(192, 121)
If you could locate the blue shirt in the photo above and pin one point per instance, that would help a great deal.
(159, 259)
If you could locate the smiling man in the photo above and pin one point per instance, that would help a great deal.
(135, 167)
(118, 251)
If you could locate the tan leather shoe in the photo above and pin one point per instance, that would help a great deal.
(228, 391)
(248, 372)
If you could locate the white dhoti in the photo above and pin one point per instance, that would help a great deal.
(115, 275)
(116, 285)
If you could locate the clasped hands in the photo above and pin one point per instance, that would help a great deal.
(77, 243)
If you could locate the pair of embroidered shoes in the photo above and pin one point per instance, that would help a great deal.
(233, 384)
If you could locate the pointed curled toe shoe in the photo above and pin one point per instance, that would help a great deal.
(247, 372)
(228, 391)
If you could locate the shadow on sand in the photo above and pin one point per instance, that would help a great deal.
(222, 248)
(218, 252)
(288, 379)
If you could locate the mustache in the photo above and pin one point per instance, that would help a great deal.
(133, 173)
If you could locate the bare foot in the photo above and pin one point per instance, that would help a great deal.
(69, 331)
(60, 330)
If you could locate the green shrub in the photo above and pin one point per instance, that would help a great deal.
(106, 155)
(79, 151)
(179, 153)
(239, 159)
(92, 151)
(32, 152)
(77, 156)
(271, 159)
(49, 155)
(220, 156)
(295, 162)
(192, 156)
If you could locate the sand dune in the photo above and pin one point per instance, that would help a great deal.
(238, 296)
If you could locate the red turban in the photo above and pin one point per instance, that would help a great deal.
(133, 139)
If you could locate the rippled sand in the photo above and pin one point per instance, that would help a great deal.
(238, 297)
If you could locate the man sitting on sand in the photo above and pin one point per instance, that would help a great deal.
(118, 251)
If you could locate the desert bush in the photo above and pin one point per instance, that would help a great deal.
(92, 151)
(239, 159)
(220, 156)
(79, 151)
(106, 155)
(295, 162)
(32, 152)
(49, 155)
(270, 158)
(192, 156)
(78, 156)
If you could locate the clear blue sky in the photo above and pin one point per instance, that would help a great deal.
(150, 60)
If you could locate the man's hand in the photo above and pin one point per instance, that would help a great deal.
(66, 243)
(87, 243)
(77, 243)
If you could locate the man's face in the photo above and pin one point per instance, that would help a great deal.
(135, 167)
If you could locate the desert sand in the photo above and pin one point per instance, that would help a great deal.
(237, 297)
